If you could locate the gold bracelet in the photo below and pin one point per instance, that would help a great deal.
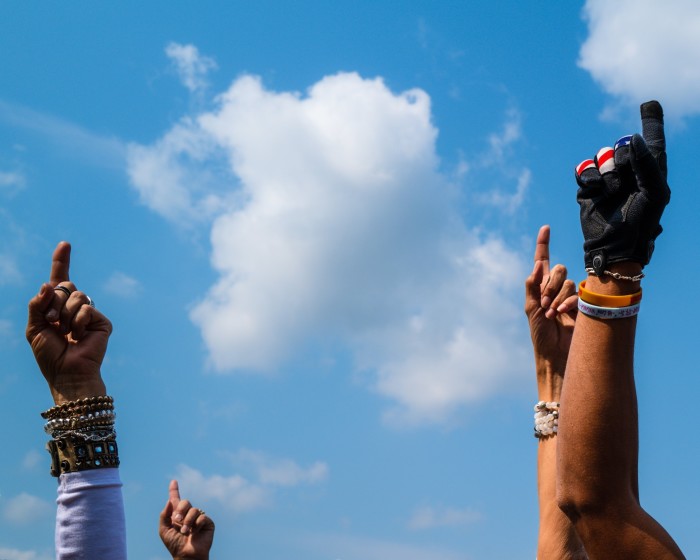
(73, 454)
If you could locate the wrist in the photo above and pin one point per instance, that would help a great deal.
(608, 285)
(66, 392)
(550, 378)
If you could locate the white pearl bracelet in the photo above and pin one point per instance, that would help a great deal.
(546, 419)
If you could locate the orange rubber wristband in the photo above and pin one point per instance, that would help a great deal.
(604, 300)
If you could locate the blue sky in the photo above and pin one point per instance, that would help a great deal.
(310, 224)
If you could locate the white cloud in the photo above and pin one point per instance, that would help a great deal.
(122, 285)
(333, 220)
(240, 494)
(234, 492)
(192, 67)
(280, 472)
(178, 176)
(501, 142)
(429, 517)
(495, 166)
(25, 508)
(15, 554)
(350, 547)
(642, 49)
(508, 203)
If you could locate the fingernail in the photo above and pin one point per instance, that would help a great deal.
(550, 314)
(43, 290)
(562, 308)
(52, 315)
(185, 529)
(178, 518)
(546, 301)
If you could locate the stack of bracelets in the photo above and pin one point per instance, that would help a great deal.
(83, 435)
(603, 306)
(546, 419)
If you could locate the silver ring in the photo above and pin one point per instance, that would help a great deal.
(90, 302)
(63, 289)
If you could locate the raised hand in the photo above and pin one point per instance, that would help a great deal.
(550, 306)
(67, 334)
(187, 532)
(622, 194)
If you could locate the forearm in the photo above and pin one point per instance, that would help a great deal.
(557, 539)
(90, 516)
(598, 439)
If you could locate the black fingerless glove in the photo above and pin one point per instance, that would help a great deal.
(621, 207)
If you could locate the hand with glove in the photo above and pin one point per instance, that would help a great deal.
(623, 193)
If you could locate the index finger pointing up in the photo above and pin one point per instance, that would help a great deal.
(542, 249)
(653, 127)
(60, 264)
(174, 493)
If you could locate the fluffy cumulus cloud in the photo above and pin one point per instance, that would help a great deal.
(263, 476)
(643, 49)
(331, 219)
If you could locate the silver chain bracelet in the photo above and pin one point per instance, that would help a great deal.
(618, 276)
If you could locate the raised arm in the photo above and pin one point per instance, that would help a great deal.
(68, 337)
(550, 306)
(622, 194)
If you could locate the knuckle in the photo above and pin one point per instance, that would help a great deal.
(559, 269)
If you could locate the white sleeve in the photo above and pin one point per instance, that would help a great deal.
(90, 516)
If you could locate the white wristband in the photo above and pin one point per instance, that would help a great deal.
(607, 312)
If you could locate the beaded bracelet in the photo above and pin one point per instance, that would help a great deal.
(71, 454)
(546, 419)
(82, 406)
(104, 419)
(605, 300)
(607, 312)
